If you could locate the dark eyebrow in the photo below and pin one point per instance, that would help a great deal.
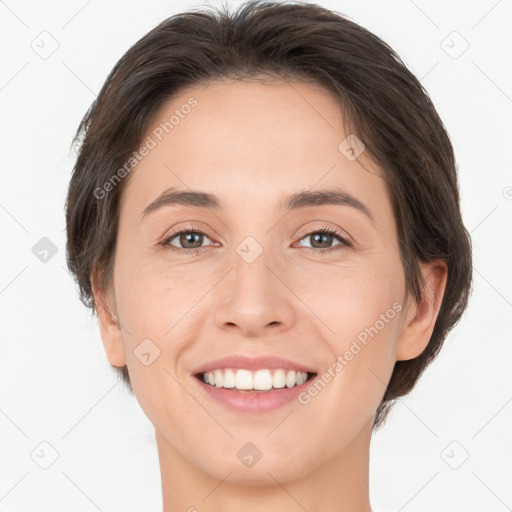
(172, 196)
(325, 197)
(296, 201)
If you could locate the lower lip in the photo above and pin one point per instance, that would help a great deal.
(254, 402)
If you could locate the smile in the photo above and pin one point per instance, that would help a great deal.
(247, 384)
(260, 380)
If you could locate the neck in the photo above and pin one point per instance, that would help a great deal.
(339, 484)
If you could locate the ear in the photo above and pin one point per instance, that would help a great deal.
(110, 330)
(420, 317)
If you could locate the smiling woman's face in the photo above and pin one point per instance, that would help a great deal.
(264, 282)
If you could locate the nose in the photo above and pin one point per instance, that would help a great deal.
(254, 298)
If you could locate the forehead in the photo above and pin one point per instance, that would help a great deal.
(251, 143)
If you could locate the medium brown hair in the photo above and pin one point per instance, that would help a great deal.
(382, 103)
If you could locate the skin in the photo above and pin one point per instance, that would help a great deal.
(251, 145)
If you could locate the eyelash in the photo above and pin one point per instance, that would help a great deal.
(330, 231)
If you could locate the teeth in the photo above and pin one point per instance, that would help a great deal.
(243, 379)
(303, 377)
(261, 380)
(279, 379)
(229, 379)
(291, 379)
(219, 378)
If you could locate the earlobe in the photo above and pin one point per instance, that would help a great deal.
(421, 316)
(110, 329)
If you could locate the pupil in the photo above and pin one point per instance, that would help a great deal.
(320, 235)
(189, 238)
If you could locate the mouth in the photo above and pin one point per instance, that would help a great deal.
(260, 381)
(254, 385)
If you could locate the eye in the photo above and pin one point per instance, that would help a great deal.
(322, 239)
(189, 240)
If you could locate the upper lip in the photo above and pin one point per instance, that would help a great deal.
(252, 363)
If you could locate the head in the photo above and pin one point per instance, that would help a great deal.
(267, 111)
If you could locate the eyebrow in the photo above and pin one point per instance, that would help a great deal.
(297, 201)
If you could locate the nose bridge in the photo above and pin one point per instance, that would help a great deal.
(252, 279)
(255, 298)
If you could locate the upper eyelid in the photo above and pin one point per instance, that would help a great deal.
(173, 234)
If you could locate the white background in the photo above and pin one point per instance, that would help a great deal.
(56, 385)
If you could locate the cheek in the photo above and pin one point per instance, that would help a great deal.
(350, 299)
(157, 308)
(360, 306)
(141, 301)
(164, 304)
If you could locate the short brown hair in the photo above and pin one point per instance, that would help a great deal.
(382, 102)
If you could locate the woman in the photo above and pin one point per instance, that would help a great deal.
(264, 214)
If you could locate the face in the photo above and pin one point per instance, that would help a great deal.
(250, 275)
